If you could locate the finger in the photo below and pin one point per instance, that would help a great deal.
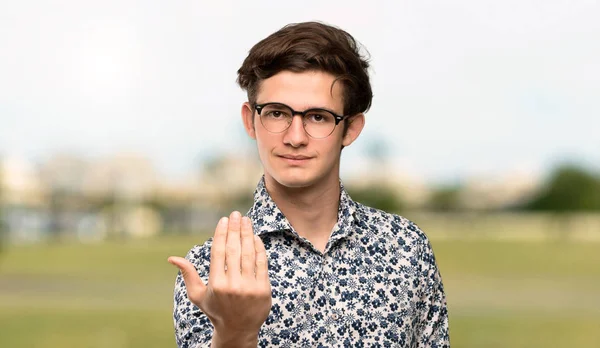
(262, 272)
(248, 252)
(193, 284)
(232, 254)
(217, 250)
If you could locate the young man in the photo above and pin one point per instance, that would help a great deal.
(308, 267)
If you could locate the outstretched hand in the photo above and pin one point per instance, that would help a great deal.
(237, 298)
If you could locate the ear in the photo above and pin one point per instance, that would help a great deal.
(248, 119)
(356, 123)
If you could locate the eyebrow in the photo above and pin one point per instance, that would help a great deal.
(308, 108)
(320, 107)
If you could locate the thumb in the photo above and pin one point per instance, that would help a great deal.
(194, 285)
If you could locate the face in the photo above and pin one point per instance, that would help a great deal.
(292, 158)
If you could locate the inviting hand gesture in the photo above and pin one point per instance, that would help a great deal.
(237, 298)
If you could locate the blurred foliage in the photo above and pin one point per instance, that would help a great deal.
(445, 198)
(2, 227)
(377, 196)
(241, 202)
(570, 188)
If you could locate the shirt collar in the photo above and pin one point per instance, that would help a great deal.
(266, 216)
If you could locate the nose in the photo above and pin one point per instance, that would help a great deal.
(295, 135)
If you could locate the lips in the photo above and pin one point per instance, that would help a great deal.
(295, 160)
(295, 157)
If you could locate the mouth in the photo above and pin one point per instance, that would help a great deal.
(295, 159)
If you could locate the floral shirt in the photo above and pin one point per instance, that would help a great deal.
(375, 285)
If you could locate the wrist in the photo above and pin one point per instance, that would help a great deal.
(224, 338)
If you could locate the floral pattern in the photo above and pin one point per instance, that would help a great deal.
(375, 285)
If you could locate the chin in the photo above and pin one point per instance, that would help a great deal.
(293, 179)
(293, 182)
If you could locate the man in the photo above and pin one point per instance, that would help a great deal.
(307, 266)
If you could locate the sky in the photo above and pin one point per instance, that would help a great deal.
(460, 88)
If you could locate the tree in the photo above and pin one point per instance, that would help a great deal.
(445, 198)
(377, 196)
(570, 188)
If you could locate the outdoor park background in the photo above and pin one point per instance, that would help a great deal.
(121, 144)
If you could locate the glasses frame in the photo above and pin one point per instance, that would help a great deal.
(338, 118)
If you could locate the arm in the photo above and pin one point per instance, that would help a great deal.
(229, 310)
(434, 332)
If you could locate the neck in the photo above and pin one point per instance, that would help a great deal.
(312, 210)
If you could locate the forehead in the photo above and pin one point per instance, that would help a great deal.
(302, 90)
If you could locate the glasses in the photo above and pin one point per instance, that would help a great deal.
(277, 117)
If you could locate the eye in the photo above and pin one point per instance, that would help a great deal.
(319, 117)
(274, 114)
(316, 117)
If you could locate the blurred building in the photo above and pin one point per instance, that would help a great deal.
(23, 199)
(229, 176)
(378, 172)
(70, 197)
(123, 196)
(123, 176)
(121, 189)
(20, 183)
(502, 191)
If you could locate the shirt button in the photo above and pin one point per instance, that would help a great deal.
(334, 316)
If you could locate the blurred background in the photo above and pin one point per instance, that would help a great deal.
(121, 144)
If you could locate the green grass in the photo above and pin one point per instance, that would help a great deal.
(119, 294)
(84, 327)
(501, 258)
(521, 294)
(522, 329)
(126, 260)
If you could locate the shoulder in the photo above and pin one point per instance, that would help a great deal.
(390, 224)
(403, 242)
(396, 229)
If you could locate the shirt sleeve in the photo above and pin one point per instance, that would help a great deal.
(434, 331)
(192, 327)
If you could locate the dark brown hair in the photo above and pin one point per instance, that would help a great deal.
(310, 46)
